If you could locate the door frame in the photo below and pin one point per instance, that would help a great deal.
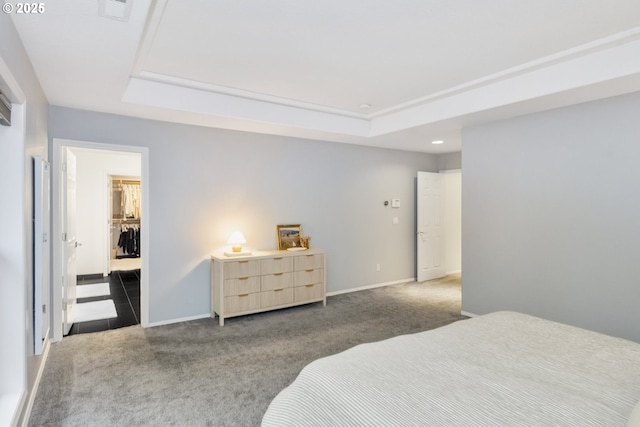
(60, 144)
(68, 245)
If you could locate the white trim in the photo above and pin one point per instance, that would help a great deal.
(10, 407)
(453, 272)
(14, 315)
(595, 62)
(611, 58)
(466, 313)
(590, 48)
(180, 320)
(450, 171)
(15, 93)
(375, 285)
(329, 294)
(34, 391)
(56, 293)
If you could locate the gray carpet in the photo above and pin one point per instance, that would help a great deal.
(199, 374)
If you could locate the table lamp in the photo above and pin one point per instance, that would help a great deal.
(236, 240)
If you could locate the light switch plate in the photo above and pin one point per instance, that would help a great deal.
(395, 203)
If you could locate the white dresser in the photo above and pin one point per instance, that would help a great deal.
(266, 280)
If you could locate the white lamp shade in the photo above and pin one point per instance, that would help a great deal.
(236, 238)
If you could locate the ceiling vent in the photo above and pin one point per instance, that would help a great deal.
(115, 9)
(5, 110)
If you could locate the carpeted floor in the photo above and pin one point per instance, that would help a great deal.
(199, 374)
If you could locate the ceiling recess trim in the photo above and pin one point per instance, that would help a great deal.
(173, 97)
(529, 67)
(596, 62)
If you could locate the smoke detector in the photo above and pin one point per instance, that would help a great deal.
(115, 9)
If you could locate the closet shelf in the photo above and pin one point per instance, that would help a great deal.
(126, 221)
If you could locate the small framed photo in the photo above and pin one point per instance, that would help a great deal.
(289, 236)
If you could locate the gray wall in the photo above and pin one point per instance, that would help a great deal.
(18, 205)
(551, 216)
(205, 183)
(450, 161)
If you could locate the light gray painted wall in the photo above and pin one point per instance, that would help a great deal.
(452, 222)
(551, 216)
(35, 144)
(205, 183)
(450, 161)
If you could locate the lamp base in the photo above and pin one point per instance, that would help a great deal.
(241, 253)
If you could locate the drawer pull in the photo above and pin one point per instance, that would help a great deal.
(278, 290)
(309, 270)
(243, 262)
(309, 255)
(278, 274)
(309, 285)
(279, 258)
(243, 295)
(243, 278)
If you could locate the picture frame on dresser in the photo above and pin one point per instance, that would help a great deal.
(288, 236)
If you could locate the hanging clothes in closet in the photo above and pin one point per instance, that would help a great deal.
(129, 241)
(130, 201)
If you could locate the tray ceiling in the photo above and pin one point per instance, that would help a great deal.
(381, 73)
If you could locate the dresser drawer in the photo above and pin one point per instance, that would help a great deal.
(311, 292)
(276, 281)
(241, 285)
(276, 265)
(309, 276)
(306, 262)
(246, 268)
(277, 297)
(243, 302)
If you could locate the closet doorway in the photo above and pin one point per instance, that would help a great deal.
(112, 256)
(124, 223)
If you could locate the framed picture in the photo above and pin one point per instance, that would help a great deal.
(289, 236)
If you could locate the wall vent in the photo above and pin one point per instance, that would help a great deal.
(115, 9)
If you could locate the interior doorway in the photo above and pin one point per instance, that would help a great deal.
(438, 224)
(108, 292)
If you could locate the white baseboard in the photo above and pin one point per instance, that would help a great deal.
(466, 313)
(329, 294)
(453, 272)
(182, 319)
(36, 384)
(376, 285)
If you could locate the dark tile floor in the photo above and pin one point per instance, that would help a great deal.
(125, 293)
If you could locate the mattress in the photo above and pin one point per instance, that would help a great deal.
(501, 369)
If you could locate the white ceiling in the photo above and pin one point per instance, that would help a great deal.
(425, 68)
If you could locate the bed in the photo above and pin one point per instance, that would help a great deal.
(500, 369)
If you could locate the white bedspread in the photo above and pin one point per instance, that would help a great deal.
(501, 369)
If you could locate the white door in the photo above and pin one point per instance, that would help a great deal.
(69, 240)
(110, 225)
(430, 228)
